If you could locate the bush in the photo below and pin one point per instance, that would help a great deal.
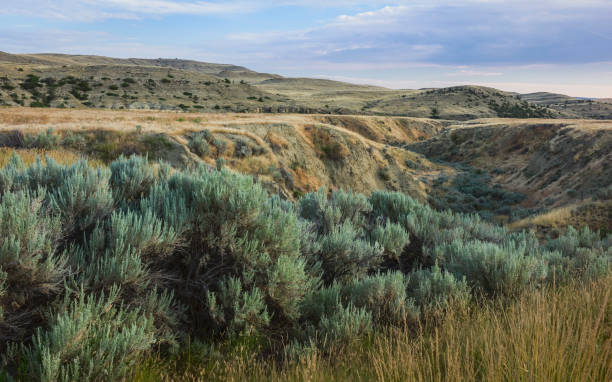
(344, 256)
(89, 339)
(237, 311)
(220, 145)
(579, 254)
(47, 140)
(242, 149)
(392, 237)
(100, 266)
(491, 268)
(384, 295)
(82, 196)
(131, 178)
(345, 325)
(434, 288)
(199, 145)
(31, 272)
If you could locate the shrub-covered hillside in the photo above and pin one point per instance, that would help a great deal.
(101, 266)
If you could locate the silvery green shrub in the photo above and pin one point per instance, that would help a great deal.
(434, 288)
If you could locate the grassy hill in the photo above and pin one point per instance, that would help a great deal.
(502, 169)
(577, 107)
(101, 82)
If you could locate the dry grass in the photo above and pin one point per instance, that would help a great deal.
(276, 141)
(549, 335)
(29, 156)
(554, 218)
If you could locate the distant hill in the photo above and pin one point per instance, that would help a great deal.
(73, 81)
(573, 106)
(545, 98)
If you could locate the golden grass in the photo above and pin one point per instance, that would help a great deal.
(29, 156)
(548, 335)
(552, 218)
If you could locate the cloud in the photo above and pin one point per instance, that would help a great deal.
(420, 40)
(93, 10)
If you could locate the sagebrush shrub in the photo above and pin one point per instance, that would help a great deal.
(45, 140)
(345, 325)
(579, 254)
(199, 145)
(491, 268)
(392, 237)
(131, 178)
(384, 295)
(31, 270)
(434, 288)
(99, 266)
(345, 257)
(237, 311)
(89, 339)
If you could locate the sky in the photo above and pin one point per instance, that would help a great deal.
(562, 46)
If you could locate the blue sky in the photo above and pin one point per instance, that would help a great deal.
(521, 45)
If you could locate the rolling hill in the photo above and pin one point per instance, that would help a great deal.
(74, 81)
(572, 106)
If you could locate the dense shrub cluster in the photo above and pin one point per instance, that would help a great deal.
(472, 192)
(99, 266)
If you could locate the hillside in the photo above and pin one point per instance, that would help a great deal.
(54, 80)
(572, 106)
(500, 168)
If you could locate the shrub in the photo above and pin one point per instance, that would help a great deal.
(392, 237)
(82, 197)
(237, 311)
(89, 339)
(384, 295)
(344, 256)
(384, 173)
(30, 270)
(73, 140)
(492, 268)
(242, 149)
(579, 254)
(434, 288)
(344, 326)
(47, 140)
(220, 164)
(146, 256)
(131, 178)
(199, 145)
(220, 145)
(341, 207)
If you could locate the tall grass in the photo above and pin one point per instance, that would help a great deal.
(562, 334)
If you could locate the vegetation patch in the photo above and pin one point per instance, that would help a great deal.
(101, 268)
(329, 144)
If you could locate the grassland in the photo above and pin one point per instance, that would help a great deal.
(548, 335)
(49, 80)
(553, 163)
(583, 108)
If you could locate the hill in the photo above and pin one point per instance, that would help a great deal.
(572, 106)
(73, 81)
(502, 169)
